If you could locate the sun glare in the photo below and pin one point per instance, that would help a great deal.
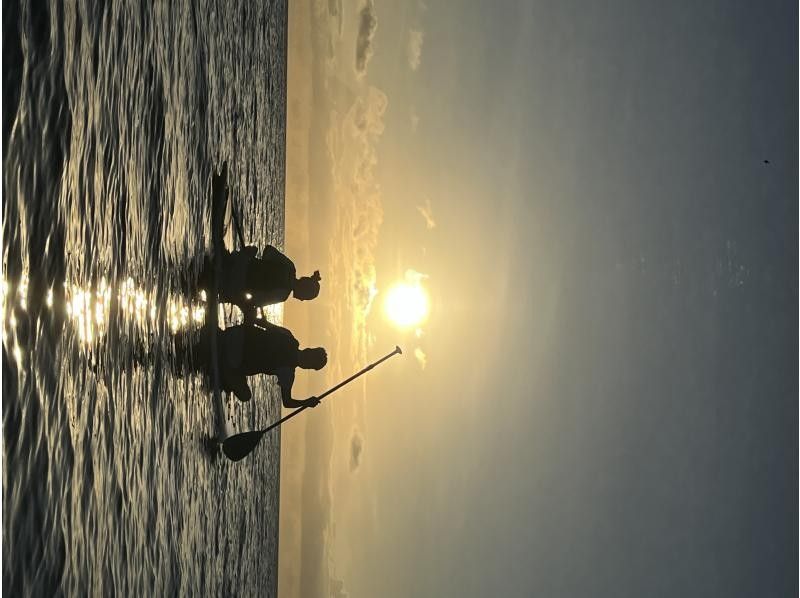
(406, 305)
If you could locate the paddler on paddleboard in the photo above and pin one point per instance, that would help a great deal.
(249, 281)
(265, 349)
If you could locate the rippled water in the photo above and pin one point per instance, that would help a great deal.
(115, 115)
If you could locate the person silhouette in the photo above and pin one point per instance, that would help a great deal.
(265, 349)
(249, 281)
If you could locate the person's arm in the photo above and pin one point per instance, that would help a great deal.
(248, 252)
(237, 383)
(285, 381)
(269, 296)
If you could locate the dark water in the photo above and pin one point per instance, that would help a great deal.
(115, 115)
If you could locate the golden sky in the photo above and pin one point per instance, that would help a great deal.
(585, 193)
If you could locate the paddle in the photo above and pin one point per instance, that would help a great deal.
(237, 225)
(238, 446)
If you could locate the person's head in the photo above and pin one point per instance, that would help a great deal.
(312, 359)
(307, 288)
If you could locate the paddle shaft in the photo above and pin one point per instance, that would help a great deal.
(334, 389)
(237, 225)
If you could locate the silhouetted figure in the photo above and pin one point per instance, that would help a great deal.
(267, 349)
(250, 281)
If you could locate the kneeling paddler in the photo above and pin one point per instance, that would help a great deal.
(265, 349)
(251, 281)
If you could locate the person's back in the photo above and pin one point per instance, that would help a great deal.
(265, 349)
(269, 281)
(269, 349)
(250, 281)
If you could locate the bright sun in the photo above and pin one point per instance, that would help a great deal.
(406, 305)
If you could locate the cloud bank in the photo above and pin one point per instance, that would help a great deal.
(352, 149)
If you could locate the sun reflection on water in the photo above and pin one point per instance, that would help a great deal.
(23, 293)
(90, 309)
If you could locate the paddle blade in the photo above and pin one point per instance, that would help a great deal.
(238, 446)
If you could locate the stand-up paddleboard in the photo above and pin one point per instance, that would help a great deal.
(219, 202)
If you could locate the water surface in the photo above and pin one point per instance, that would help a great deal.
(115, 115)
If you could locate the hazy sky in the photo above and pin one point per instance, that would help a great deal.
(609, 401)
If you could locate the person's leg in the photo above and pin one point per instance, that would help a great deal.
(237, 384)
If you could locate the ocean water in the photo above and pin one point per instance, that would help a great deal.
(115, 115)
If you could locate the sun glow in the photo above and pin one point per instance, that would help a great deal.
(406, 305)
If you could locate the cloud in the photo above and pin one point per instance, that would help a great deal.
(421, 357)
(415, 278)
(414, 49)
(427, 214)
(356, 447)
(335, 11)
(366, 116)
(414, 121)
(337, 589)
(367, 25)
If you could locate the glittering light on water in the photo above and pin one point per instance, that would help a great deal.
(22, 291)
(89, 308)
(88, 311)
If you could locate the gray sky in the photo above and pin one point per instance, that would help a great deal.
(609, 405)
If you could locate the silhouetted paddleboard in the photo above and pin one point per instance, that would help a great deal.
(219, 201)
